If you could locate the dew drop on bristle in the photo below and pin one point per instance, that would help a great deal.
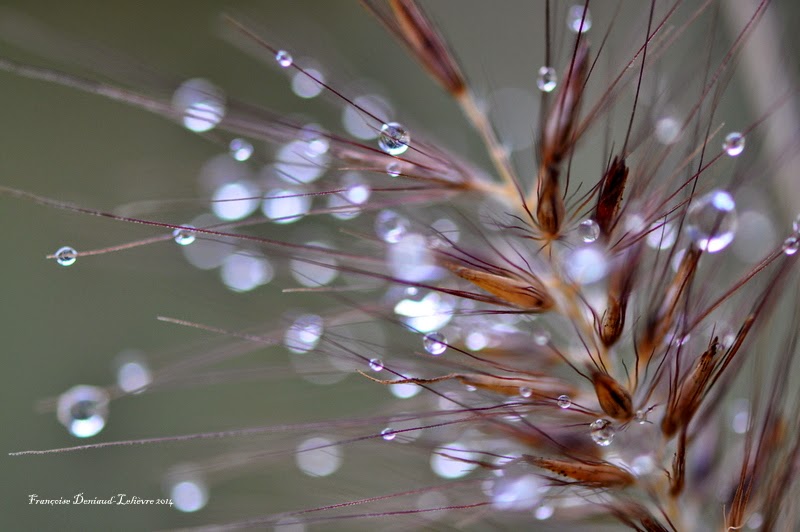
(733, 144)
(564, 401)
(394, 139)
(388, 434)
(577, 22)
(547, 79)
(711, 221)
(183, 237)
(187, 488)
(240, 149)
(524, 391)
(541, 337)
(200, 103)
(602, 432)
(796, 224)
(589, 231)
(83, 410)
(544, 512)
(376, 364)
(791, 245)
(235, 201)
(641, 417)
(284, 58)
(393, 169)
(133, 373)
(390, 226)
(435, 343)
(304, 333)
(66, 256)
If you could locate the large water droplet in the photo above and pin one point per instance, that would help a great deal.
(83, 410)
(284, 58)
(183, 236)
(791, 245)
(602, 432)
(388, 434)
(435, 343)
(304, 334)
(133, 373)
(547, 79)
(240, 149)
(390, 226)
(564, 401)
(711, 221)
(394, 138)
(376, 364)
(66, 256)
(187, 488)
(200, 103)
(733, 144)
(589, 230)
(577, 21)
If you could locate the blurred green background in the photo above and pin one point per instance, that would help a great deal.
(62, 327)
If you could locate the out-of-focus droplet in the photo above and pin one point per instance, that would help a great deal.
(547, 79)
(579, 19)
(711, 221)
(733, 144)
(240, 149)
(83, 410)
(200, 103)
(284, 58)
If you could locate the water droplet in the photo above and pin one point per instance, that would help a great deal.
(796, 224)
(308, 84)
(564, 401)
(589, 231)
(667, 130)
(388, 434)
(733, 144)
(544, 512)
(791, 245)
(547, 79)
(579, 20)
(641, 417)
(318, 457)
(602, 432)
(435, 343)
(470, 388)
(452, 460)
(284, 58)
(133, 374)
(184, 237)
(240, 149)
(285, 205)
(187, 488)
(376, 364)
(235, 201)
(304, 334)
(541, 337)
(390, 226)
(711, 221)
(200, 103)
(524, 391)
(393, 169)
(586, 265)
(83, 410)
(242, 272)
(394, 138)
(66, 256)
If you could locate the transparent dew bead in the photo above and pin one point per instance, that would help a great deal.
(390, 226)
(796, 224)
(394, 138)
(711, 221)
(524, 391)
(200, 103)
(83, 410)
(66, 256)
(304, 333)
(547, 79)
(435, 343)
(541, 337)
(284, 58)
(602, 432)
(564, 401)
(376, 364)
(579, 19)
(240, 149)
(187, 488)
(733, 144)
(640, 417)
(388, 434)
(791, 245)
(589, 231)
(393, 169)
(183, 237)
